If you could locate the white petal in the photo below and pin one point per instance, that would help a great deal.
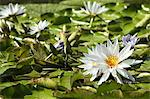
(82, 66)
(116, 47)
(117, 77)
(132, 61)
(102, 9)
(134, 36)
(109, 43)
(124, 50)
(109, 46)
(123, 65)
(86, 73)
(88, 66)
(96, 8)
(93, 7)
(99, 52)
(126, 55)
(91, 57)
(93, 77)
(100, 71)
(89, 6)
(105, 51)
(125, 74)
(93, 71)
(84, 60)
(111, 70)
(104, 77)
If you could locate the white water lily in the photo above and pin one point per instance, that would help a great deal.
(93, 9)
(107, 59)
(11, 10)
(39, 27)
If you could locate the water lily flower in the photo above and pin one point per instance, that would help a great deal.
(5, 25)
(93, 9)
(38, 28)
(107, 59)
(132, 40)
(11, 10)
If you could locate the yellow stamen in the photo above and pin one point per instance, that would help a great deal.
(112, 61)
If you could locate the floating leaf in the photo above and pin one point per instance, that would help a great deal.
(61, 20)
(45, 82)
(65, 81)
(145, 66)
(56, 73)
(41, 94)
(107, 87)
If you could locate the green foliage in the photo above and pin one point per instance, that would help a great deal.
(41, 94)
(107, 87)
(145, 66)
(61, 20)
(37, 68)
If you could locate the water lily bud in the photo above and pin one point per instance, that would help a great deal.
(63, 37)
(29, 40)
(72, 36)
(45, 82)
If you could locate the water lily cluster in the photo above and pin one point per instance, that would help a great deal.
(103, 60)
(9, 13)
(92, 51)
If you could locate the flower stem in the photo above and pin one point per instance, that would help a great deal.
(91, 21)
(15, 19)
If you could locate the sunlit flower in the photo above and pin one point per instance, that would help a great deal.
(93, 9)
(5, 25)
(38, 28)
(132, 40)
(11, 10)
(105, 60)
